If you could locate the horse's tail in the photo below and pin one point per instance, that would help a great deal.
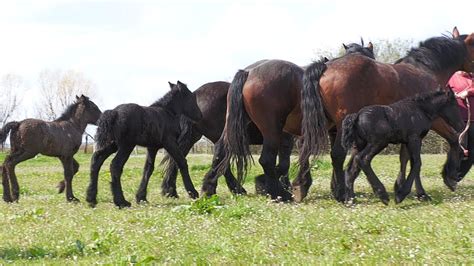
(6, 129)
(313, 126)
(105, 125)
(184, 140)
(236, 144)
(348, 132)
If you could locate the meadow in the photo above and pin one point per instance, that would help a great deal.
(42, 228)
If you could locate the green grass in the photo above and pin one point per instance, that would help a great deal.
(43, 228)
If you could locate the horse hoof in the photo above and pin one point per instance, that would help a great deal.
(299, 193)
(92, 204)
(123, 204)
(170, 193)
(423, 197)
(193, 194)
(142, 201)
(73, 199)
(385, 201)
(399, 198)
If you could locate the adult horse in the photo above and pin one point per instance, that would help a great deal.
(154, 127)
(268, 94)
(60, 138)
(349, 83)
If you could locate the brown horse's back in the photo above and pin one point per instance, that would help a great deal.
(355, 81)
(48, 138)
(272, 96)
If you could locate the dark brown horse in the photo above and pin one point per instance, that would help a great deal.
(60, 138)
(352, 82)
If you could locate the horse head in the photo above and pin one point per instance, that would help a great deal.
(187, 102)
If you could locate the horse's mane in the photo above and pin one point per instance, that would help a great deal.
(426, 96)
(166, 99)
(436, 53)
(68, 113)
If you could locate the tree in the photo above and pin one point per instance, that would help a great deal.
(58, 90)
(10, 84)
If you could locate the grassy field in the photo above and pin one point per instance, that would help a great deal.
(43, 228)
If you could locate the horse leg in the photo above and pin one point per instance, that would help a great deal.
(62, 184)
(403, 158)
(147, 172)
(467, 164)
(97, 160)
(451, 167)
(68, 166)
(7, 195)
(302, 182)
(414, 148)
(209, 183)
(172, 148)
(338, 155)
(352, 172)
(168, 186)
(364, 159)
(268, 162)
(232, 183)
(284, 153)
(9, 169)
(116, 169)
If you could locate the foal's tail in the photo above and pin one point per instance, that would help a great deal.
(105, 126)
(236, 144)
(313, 125)
(6, 129)
(348, 131)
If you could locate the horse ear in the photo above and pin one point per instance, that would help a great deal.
(325, 59)
(370, 46)
(455, 32)
(345, 47)
(362, 41)
(171, 85)
(77, 97)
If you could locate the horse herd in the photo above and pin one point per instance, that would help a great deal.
(356, 102)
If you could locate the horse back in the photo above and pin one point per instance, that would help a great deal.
(354, 81)
(272, 96)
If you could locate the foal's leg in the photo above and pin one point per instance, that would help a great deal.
(414, 148)
(62, 184)
(7, 195)
(232, 184)
(147, 172)
(9, 169)
(68, 166)
(352, 172)
(97, 160)
(364, 159)
(172, 148)
(404, 157)
(209, 184)
(168, 186)
(116, 169)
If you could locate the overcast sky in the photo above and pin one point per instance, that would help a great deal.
(130, 49)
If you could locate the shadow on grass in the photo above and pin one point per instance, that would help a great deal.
(32, 253)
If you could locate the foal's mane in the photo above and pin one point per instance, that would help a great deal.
(68, 113)
(426, 96)
(436, 53)
(166, 99)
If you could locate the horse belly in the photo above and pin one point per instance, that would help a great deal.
(293, 122)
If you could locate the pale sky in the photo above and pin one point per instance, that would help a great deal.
(131, 49)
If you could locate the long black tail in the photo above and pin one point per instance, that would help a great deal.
(348, 132)
(236, 144)
(105, 125)
(6, 129)
(184, 140)
(313, 126)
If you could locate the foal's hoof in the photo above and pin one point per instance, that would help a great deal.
(193, 194)
(399, 197)
(123, 204)
(299, 193)
(239, 191)
(141, 200)
(73, 199)
(169, 193)
(423, 197)
(385, 200)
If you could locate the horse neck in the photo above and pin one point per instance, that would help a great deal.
(78, 121)
(174, 107)
(432, 108)
(443, 76)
